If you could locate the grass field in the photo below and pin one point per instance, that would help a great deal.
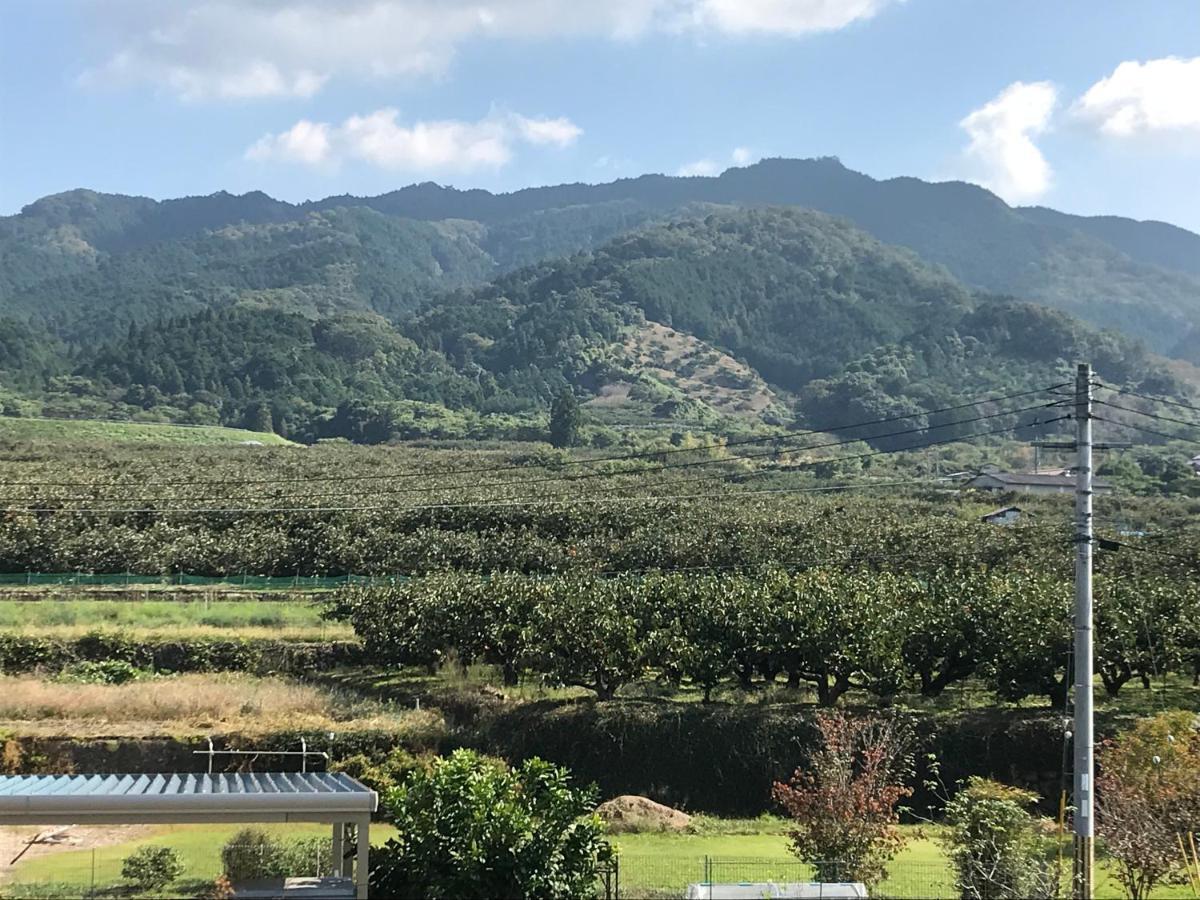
(103, 432)
(193, 705)
(290, 620)
(654, 864)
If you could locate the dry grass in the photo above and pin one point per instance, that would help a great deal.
(191, 703)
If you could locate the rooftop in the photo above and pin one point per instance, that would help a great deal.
(299, 796)
(1045, 479)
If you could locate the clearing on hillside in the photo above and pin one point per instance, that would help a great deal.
(698, 370)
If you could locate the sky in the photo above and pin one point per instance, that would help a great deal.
(1089, 106)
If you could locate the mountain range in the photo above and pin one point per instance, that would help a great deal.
(790, 290)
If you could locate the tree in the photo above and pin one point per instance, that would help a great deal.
(258, 418)
(565, 419)
(472, 827)
(844, 803)
(1147, 793)
(994, 846)
(151, 869)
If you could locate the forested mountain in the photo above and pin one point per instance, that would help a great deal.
(842, 327)
(85, 263)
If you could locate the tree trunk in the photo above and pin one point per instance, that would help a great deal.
(511, 676)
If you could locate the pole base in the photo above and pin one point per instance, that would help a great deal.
(1082, 880)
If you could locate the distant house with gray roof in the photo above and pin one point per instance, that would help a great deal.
(1030, 483)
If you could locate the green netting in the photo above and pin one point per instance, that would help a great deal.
(256, 582)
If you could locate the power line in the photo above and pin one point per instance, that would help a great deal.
(630, 470)
(1148, 415)
(1165, 400)
(476, 470)
(1161, 434)
(535, 501)
(1109, 543)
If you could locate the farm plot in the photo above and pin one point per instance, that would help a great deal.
(297, 619)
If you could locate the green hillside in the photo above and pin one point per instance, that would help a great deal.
(84, 263)
(761, 316)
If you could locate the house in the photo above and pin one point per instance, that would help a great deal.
(1027, 483)
(1006, 516)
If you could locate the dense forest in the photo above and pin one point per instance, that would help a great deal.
(290, 338)
(85, 263)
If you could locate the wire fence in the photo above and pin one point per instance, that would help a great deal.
(661, 876)
(99, 873)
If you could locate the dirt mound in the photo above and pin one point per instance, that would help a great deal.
(631, 813)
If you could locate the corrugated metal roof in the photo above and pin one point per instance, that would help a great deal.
(275, 792)
(221, 783)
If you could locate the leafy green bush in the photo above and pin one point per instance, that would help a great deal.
(151, 868)
(112, 671)
(471, 827)
(253, 853)
(311, 856)
(382, 774)
(994, 845)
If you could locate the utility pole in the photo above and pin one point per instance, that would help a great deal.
(1084, 780)
(1084, 775)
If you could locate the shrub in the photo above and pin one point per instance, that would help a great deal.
(994, 845)
(111, 671)
(844, 805)
(471, 827)
(381, 774)
(311, 856)
(253, 853)
(1148, 793)
(151, 868)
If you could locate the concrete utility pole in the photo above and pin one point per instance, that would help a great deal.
(1084, 739)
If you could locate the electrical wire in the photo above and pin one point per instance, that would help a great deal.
(1142, 428)
(1165, 400)
(1149, 415)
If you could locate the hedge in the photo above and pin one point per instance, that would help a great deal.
(25, 653)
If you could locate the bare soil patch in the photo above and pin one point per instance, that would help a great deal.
(633, 813)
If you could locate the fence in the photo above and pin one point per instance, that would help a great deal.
(659, 876)
(98, 872)
(664, 876)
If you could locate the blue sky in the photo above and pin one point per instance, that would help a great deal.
(1091, 106)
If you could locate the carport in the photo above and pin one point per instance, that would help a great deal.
(184, 799)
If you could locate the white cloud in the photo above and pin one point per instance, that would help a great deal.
(1002, 155)
(560, 132)
(306, 142)
(706, 167)
(740, 156)
(791, 17)
(240, 49)
(381, 139)
(1160, 95)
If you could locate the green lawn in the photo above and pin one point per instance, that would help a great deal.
(98, 431)
(296, 619)
(653, 864)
